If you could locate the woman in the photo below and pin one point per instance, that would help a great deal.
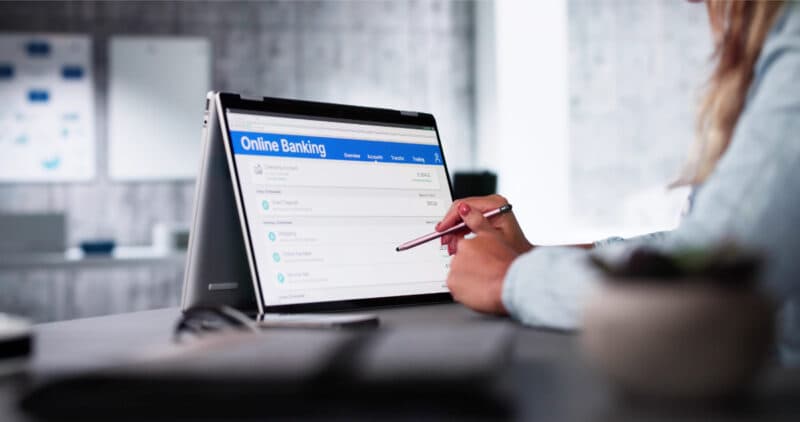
(745, 170)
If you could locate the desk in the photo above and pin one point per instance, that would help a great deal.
(548, 380)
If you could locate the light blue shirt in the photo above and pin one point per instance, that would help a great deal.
(753, 196)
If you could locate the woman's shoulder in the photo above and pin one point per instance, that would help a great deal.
(786, 28)
(778, 65)
(789, 20)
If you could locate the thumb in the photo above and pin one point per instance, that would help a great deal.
(473, 219)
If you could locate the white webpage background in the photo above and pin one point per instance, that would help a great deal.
(331, 226)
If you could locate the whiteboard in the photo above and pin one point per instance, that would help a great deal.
(157, 88)
(46, 108)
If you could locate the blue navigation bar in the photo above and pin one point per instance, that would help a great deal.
(298, 146)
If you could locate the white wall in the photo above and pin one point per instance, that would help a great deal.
(635, 70)
(585, 110)
(521, 93)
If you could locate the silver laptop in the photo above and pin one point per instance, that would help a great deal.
(300, 205)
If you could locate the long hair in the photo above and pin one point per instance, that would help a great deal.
(739, 29)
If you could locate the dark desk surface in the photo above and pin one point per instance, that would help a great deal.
(548, 378)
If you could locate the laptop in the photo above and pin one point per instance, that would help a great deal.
(299, 207)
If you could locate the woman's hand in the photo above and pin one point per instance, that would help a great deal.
(478, 268)
(505, 225)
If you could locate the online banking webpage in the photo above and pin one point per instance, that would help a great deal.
(327, 203)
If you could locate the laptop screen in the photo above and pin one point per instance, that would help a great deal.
(327, 201)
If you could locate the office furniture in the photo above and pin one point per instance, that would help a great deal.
(26, 233)
(547, 380)
(69, 285)
(74, 257)
(466, 184)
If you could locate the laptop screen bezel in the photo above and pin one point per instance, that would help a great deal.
(320, 111)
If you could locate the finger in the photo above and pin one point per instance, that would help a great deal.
(459, 234)
(450, 218)
(462, 245)
(451, 247)
(481, 203)
(474, 219)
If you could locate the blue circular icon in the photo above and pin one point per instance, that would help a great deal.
(265, 204)
(276, 257)
(281, 278)
(272, 236)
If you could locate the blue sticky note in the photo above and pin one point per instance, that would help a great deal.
(38, 48)
(6, 71)
(51, 164)
(38, 96)
(72, 72)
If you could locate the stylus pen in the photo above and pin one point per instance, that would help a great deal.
(435, 235)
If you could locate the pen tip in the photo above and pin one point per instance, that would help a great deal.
(397, 249)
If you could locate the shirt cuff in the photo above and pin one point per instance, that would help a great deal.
(548, 287)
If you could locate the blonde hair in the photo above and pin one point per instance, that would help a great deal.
(739, 28)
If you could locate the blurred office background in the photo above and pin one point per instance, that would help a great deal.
(584, 109)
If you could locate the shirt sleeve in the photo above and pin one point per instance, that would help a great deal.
(752, 197)
(554, 297)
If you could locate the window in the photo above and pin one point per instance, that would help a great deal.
(585, 110)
